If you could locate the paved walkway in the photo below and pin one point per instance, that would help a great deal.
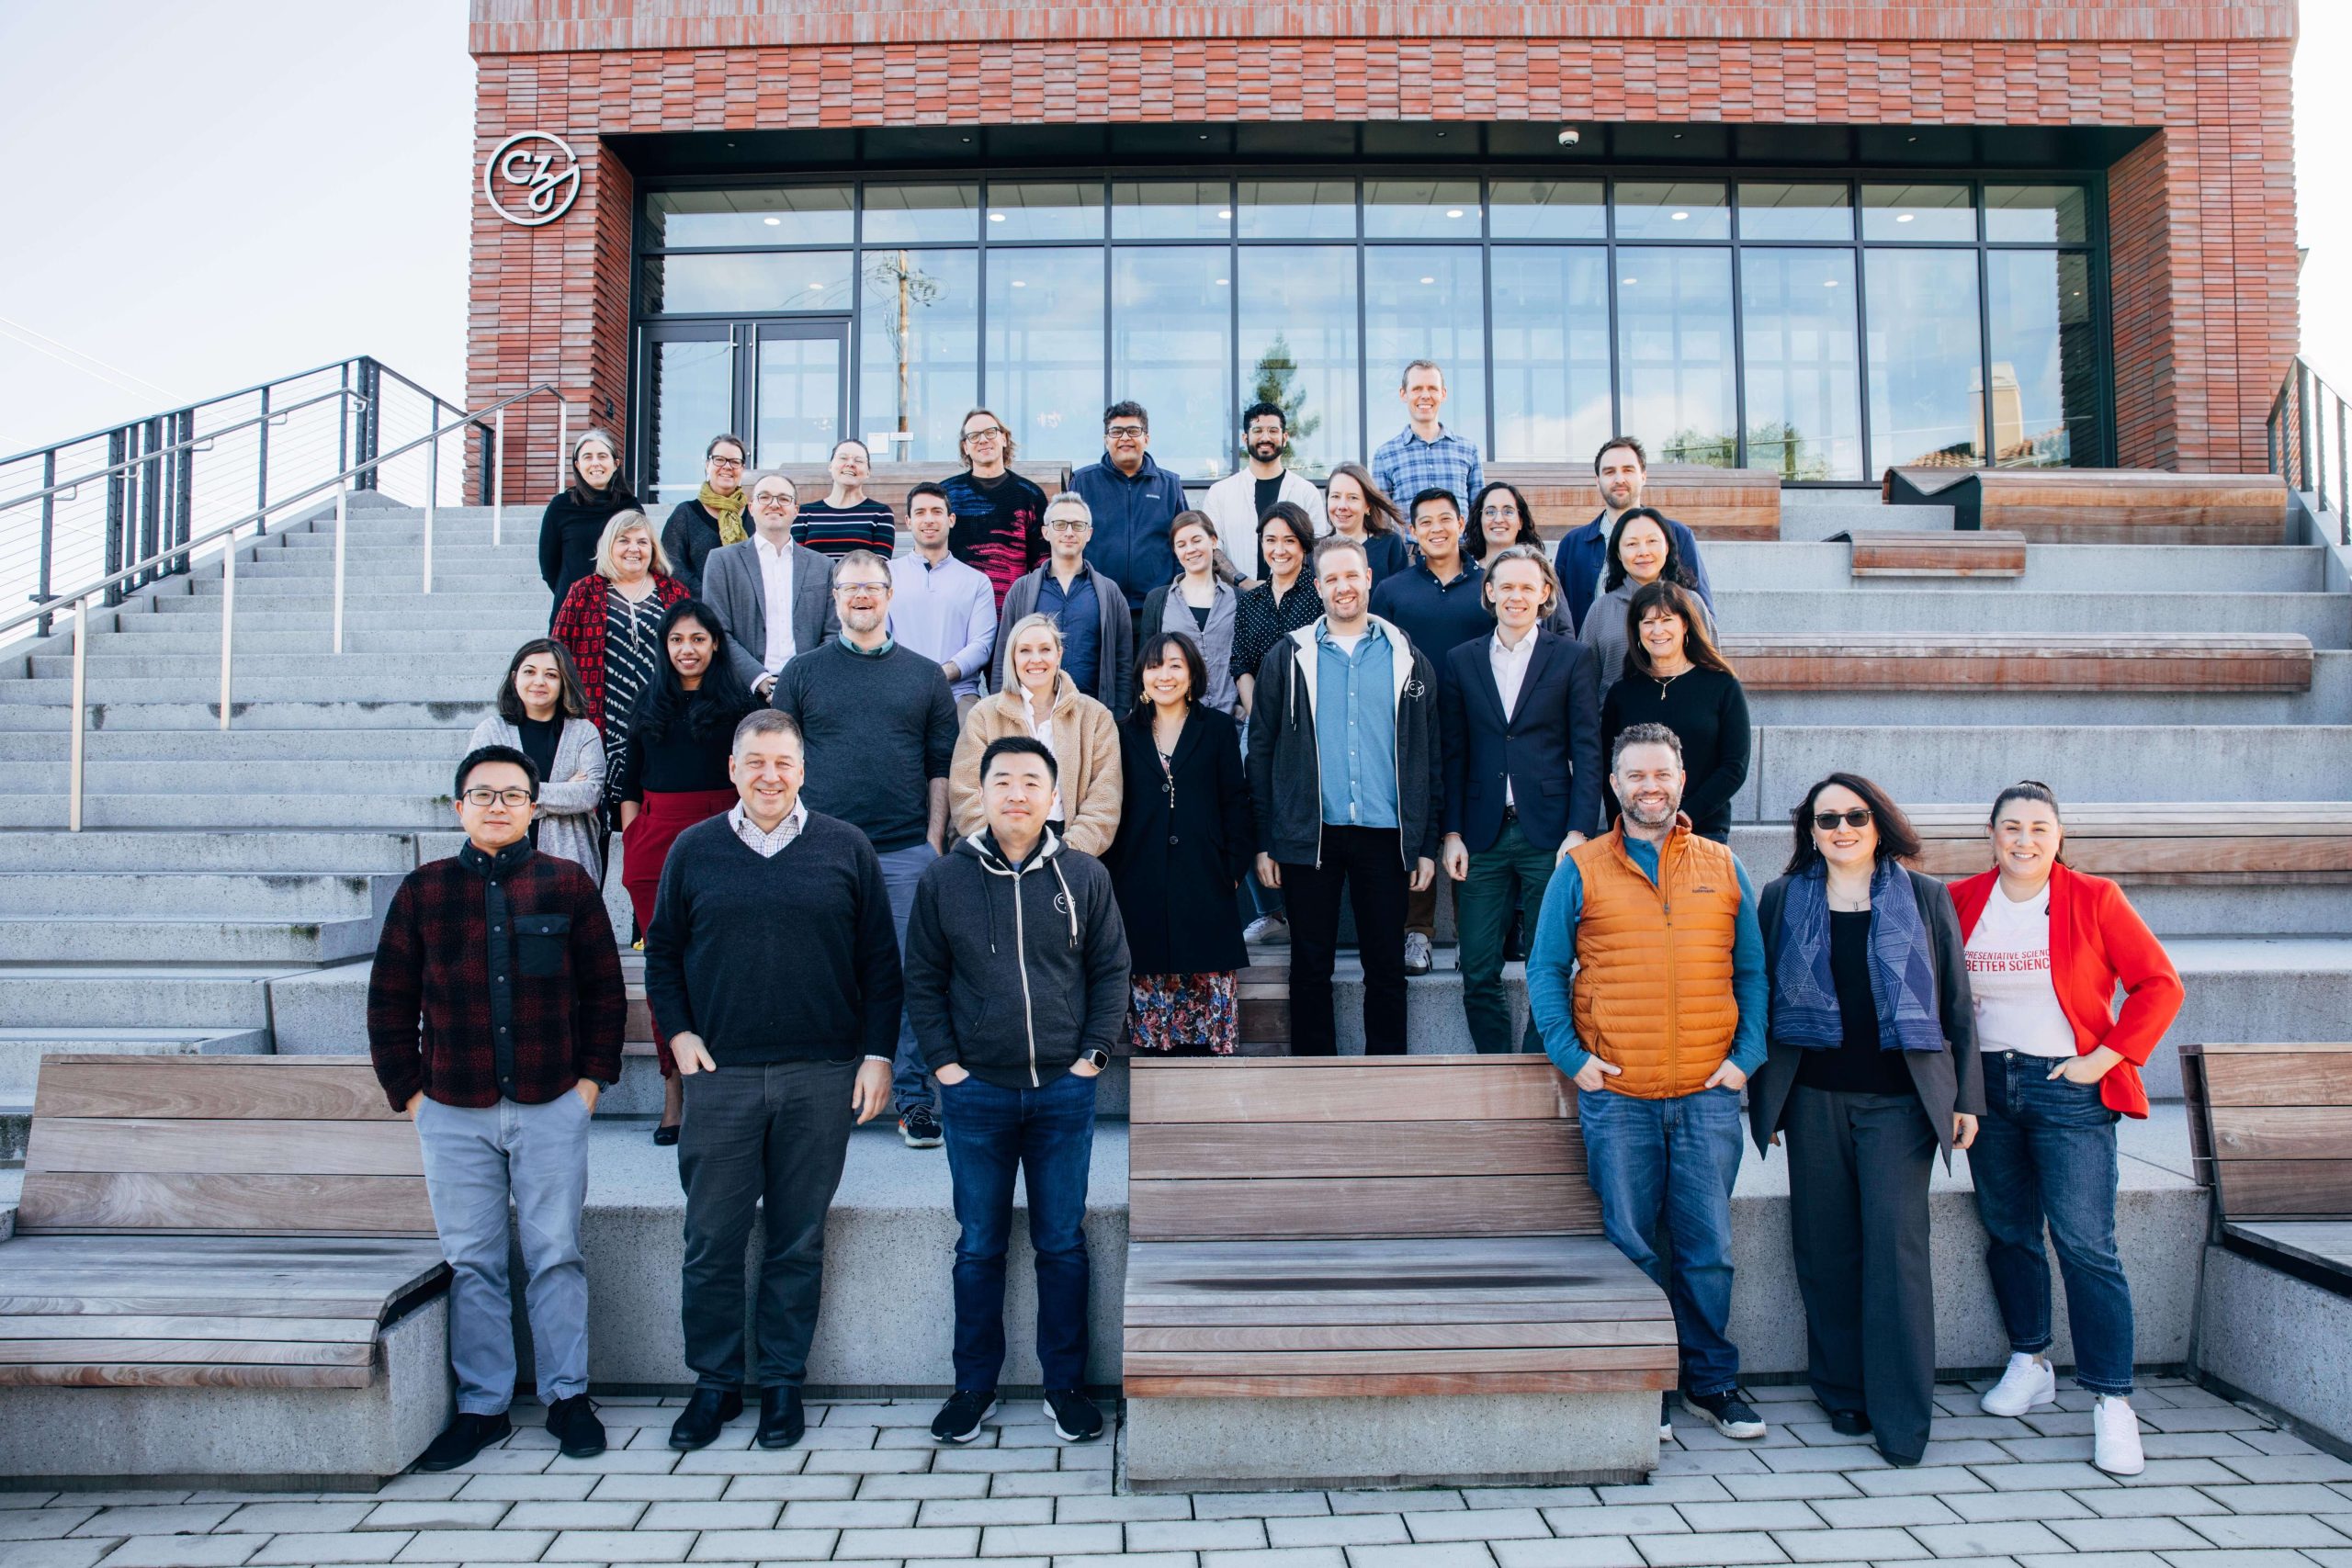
(2223, 1487)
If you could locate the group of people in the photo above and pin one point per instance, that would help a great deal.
(938, 832)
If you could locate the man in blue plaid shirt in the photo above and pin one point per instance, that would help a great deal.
(1425, 454)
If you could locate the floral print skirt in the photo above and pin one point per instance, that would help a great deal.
(1184, 1015)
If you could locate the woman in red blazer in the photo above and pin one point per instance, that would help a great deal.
(2047, 946)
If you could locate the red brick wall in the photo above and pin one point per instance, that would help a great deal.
(2203, 218)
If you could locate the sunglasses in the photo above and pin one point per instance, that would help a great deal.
(1859, 816)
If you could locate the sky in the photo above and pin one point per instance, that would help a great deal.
(205, 194)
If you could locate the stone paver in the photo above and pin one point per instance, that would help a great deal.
(2223, 1487)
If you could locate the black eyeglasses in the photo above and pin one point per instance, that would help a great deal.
(1859, 816)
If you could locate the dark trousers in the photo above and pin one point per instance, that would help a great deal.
(1858, 1217)
(774, 1135)
(1048, 1136)
(1367, 863)
(1506, 878)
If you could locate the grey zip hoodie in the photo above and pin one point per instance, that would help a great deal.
(1012, 970)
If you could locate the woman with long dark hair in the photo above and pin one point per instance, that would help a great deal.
(1673, 675)
(1186, 840)
(2047, 947)
(674, 773)
(1641, 551)
(1283, 600)
(1202, 603)
(543, 713)
(1499, 518)
(1871, 1069)
(574, 520)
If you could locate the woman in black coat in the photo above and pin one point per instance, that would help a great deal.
(1186, 840)
(574, 520)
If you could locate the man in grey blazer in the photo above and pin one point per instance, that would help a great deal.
(775, 597)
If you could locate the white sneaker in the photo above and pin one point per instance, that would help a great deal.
(1417, 958)
(1267, 931)
(2029, 1380)
(2115, 1437)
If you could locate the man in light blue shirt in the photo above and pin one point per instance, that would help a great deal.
(1425, 454)
(940, 607)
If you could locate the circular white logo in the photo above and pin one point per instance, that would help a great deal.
(538, 172)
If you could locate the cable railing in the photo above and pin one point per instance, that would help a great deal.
(177, 540)
(2309, 422)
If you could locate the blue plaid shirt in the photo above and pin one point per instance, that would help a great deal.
(1406, 465)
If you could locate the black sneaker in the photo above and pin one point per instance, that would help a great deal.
(959, 1419)
(920, 1128)
(465, 1437)
(577, 1431)
(1733, 1415)
(1075, 1418)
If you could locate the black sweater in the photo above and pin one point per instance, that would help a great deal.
(1708, 712)
(677, 763)
(688, 539)
(569, 530)
(784, 958)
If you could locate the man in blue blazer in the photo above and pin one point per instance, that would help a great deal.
(1520, 723)
(1619, 469)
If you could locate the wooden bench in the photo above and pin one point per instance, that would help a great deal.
(224, 1265)
(2102, 506)
(2165, 841)
(1886, 553)
(1716, 504)
(1345, 1271)
(2271, 1130)
(1953, 662)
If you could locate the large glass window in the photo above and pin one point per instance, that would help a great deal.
(1425, 303)
(1680, 210)
(1548, 209)
(1795, 212)
(1926, 359)
(2036, 214)
(1674, 353)
(1803, 361)
(2045, 370)
(1040, 210)
(794, 214)
(1918, 214)
(919, 352)
(1299, 210)
(1298, 349)
(1171, 350)
(1550, 306)
(1044, 350)
(1172, 209)
(1422, 209)
(751, 282)
(909, 215)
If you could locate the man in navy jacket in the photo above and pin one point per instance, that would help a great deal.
(1521, 712)
(1134, 502)
(1619, 469)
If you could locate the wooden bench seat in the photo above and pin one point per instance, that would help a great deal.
(1715, 503)
(1318, 1241)
(2170, 841)
(2102, 506)
(224, 1265)
(2271, 1130)
(1953, 662)
(1887, 553)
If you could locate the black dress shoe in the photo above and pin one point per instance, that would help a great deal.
(666, 1136)
(1849, 1423)
(465, 1437)
(705, 1414)
(780, 1422)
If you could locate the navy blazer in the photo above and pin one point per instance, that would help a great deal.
(1549, 747)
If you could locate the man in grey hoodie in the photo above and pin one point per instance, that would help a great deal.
(1016, 974)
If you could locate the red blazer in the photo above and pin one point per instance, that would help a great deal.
(2097, 941)
(580, 626)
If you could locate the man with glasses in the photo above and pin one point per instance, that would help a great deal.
(1134, 502)
(878, 726)
(1097, 630)
(773, 595)
(999, 514)
(1237, 501)
(495, 1017)
(1619, 469)
(1425, 454)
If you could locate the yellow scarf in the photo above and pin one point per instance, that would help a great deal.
(728, 509)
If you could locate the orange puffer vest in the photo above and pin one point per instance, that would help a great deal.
(1652, 987)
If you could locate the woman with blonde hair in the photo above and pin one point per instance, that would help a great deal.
(1039, 700)
(610, 623)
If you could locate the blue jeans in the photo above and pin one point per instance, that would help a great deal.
(1668, 1166)
(1048, 1134)
(901, 869)
(474, 1160)
(2045, 1153)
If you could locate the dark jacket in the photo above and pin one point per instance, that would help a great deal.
(1948, 1081)
(1115, 674)
(1186, 838)
(444, 983)
(569, 530)
(1582, 561)
(688, 538)
(1133, 520)
(1012, 971)
(1548, 749)
(1438, 616)
(1286, 769)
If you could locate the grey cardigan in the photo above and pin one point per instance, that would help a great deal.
(568, 805)
(1114, 677)
(732, 585)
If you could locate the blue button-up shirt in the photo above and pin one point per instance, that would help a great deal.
(1406, 465)
(1355, 730)
(1078, 613)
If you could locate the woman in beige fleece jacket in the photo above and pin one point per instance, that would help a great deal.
(1043, 703)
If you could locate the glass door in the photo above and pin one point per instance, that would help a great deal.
(798, 389)
(689, 396)
(783, 384)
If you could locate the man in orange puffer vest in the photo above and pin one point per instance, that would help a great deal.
(1646, 980)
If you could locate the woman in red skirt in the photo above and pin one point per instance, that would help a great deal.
(674, 774)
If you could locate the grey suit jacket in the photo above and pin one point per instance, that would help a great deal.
(732, 585)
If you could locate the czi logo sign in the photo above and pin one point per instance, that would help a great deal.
(537, 175)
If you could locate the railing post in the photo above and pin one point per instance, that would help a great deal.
(2304, 422)
(432, 491)
(117, 504)
(2343, 478)
(342, 518)
(81, 687)
(184, 496)
(228, 619)
(48, 534)
(261, 481)
(151, 498)
(370, 421)
(343, 423)
(563, 442)
(497, 479)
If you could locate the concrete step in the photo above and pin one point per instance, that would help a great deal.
(175, 747)
(248, 712)
(201, 640)
(254, 812)
(376, 608)
(259, 896)
(95, 850)
(2105, 569)
(112, 661)
(136, 994)
(293, 585)
(276, 776)
(2329, 701)
(22, 1049)
(194, 939)
(2325, 618)
(370, 687)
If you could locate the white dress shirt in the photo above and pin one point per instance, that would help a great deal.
(1509, 665)
(775, 577)
(766, 844)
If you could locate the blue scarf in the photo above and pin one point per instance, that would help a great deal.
(1903, 971)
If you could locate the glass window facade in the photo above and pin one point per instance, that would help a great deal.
(1819, 325)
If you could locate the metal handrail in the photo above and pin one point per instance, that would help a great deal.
(201, 402)
(2298, 438)
(64, 489)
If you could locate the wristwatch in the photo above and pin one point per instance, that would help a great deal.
(1095, 1056)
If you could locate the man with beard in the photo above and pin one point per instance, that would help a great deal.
(1647, 982)
(1237, 501)
(1619, 472)
(879, 725)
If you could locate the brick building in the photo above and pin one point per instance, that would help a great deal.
(1816, 237)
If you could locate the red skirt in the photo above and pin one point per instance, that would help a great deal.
(645, 848)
